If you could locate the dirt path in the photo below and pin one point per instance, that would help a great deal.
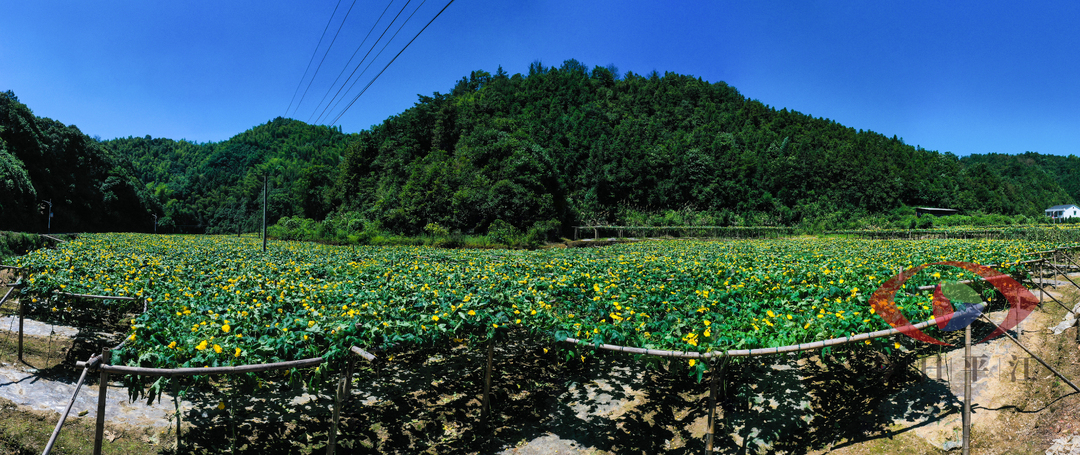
(22, 385)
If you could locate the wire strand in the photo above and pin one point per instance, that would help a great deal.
(324, 56)
(314, 52)
(391, 62)
(351, 59)
(391, 24)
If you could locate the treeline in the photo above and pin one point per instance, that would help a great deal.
(218, 187)
(1026, 174)
(89, 186)
(557, 147)
(571, 145)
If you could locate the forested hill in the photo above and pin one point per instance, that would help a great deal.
(1027, 169)
(579, 145)
(217, 187)
(551, 148)
(89, 186)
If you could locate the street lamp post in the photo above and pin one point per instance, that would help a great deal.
(264, 211)
(48, 229)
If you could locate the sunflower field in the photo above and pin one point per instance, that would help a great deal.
(220, 301)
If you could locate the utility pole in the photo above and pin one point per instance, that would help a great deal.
(48, 229)
(264, 211)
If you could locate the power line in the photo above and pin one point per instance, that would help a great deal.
(373, 58)
(343, 84)
(377, 55)
(313, 52)
(351, 59)
(391, 61)
(324, 55)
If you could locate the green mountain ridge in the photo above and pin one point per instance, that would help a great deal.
(549, 149)
(89, 186)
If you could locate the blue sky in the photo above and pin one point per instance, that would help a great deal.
(965, 77)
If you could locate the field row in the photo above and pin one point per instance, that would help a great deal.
(221, 301)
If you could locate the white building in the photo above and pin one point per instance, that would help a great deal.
(1063, 211)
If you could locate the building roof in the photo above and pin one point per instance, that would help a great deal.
(1061, 207)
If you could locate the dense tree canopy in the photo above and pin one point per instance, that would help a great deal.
(576, 145)
(89, 186)
(557, 146)
(217, 187)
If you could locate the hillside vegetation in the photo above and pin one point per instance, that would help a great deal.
(541, 151)
(90, 187)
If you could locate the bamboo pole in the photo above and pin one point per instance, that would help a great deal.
(486, 403)
(176, 405)
(99, 297)
(350, 365)
(1042, 291)
(716, 373)
(1063, 273)
(966, 449)
(255, 368)
(1068, 259)
(362, 353)
(1018, 343)
(752, 352)
(6, 294)
(232, 418)
(63, 417)
(103, 393)
(22, 315)
(1039, 281)
(338, 392)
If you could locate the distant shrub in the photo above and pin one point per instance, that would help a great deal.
(18, 244)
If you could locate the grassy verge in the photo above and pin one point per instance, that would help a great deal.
(27, 432)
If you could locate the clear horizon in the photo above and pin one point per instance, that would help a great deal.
(960, 77)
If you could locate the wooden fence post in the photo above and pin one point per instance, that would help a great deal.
(966, 417)
(21, 314)
(338, 392)
(486, 404)
(103, 393)
(348, 377)
(176, 404)
(716, 373)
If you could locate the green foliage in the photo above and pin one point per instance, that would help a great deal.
(436, 229)
(218, 187)
(566, 144)
(17, 244)
(583, 147)
(219, 301)
(91, 188)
